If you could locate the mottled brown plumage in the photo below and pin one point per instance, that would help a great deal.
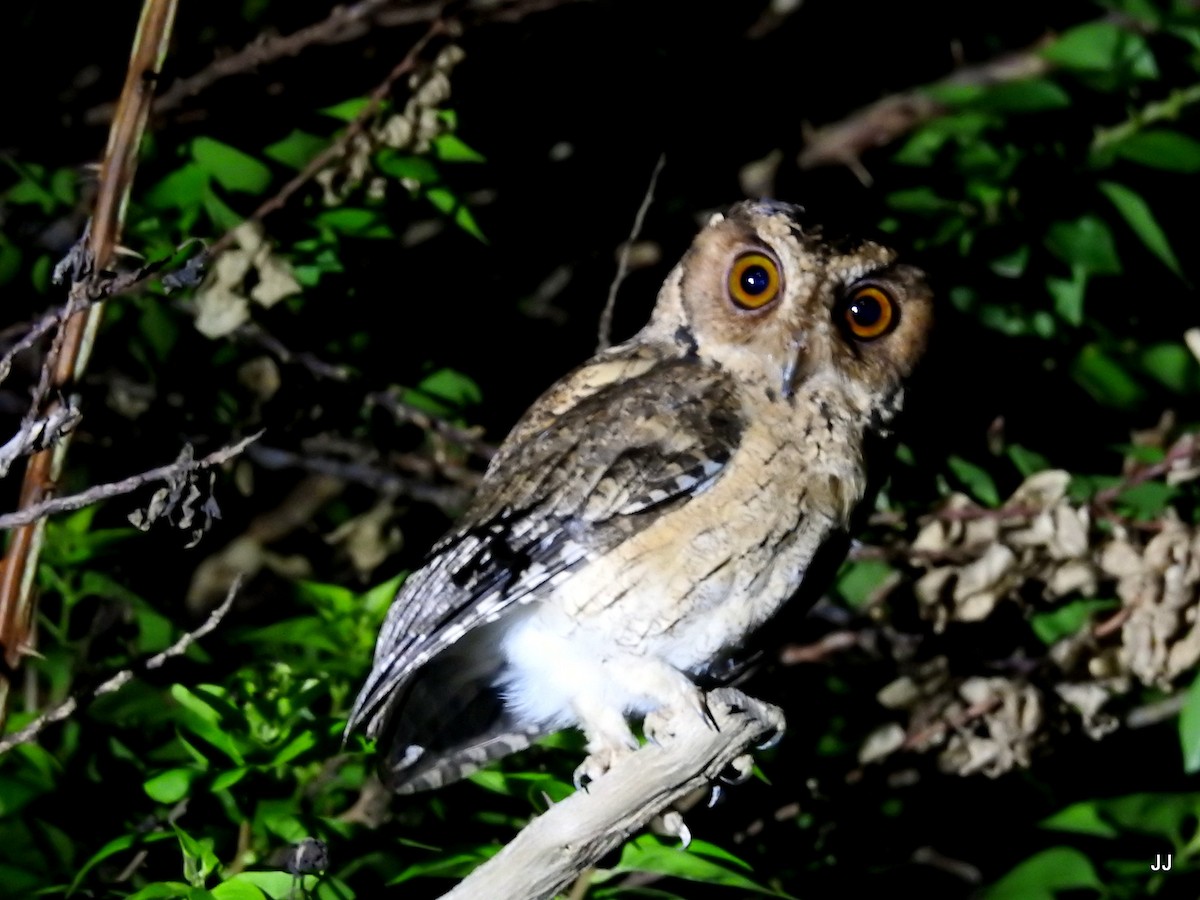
(655, 506)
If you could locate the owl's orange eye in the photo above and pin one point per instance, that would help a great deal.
(753, 281)
(869, 312)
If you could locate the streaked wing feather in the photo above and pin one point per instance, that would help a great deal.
(603, 471)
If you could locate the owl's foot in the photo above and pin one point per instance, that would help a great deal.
(778, 727)
(738, 771)
(609, 739)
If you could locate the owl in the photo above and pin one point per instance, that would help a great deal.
(654, 507)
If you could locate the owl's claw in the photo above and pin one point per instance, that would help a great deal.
(714, 796)
(600, 760)
(738, 771)
(671, 824)
(778, 728)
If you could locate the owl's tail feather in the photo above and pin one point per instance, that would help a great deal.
(447, 727)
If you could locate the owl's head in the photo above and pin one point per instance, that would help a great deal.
(779, 305)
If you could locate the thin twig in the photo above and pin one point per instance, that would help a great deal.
(342, 25)
(253, 331)
(116, 682)
(100, 492)
(604, 338)
(467, 438)
(921, 739)
(451, 499)
(37, 434)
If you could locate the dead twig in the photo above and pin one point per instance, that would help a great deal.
(38, 434)
(604, 338)
(467, 438)
(343, 25)
(67, 708)
(448, 498)
(99, 492)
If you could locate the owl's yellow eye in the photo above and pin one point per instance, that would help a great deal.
(753, 281)
(869, 312)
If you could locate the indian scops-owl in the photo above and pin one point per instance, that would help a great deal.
(653, 507)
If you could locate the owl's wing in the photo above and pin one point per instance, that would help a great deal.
(605, 469)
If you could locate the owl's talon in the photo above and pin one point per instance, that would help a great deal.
(778, 729)
(714, 796)
(671, 824)
(738, 771)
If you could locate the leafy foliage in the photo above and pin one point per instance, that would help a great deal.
(436, 264)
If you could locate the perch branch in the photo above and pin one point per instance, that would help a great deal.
(554, 848)
(67, 708)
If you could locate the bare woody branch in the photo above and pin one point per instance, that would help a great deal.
(38, 434)
(126, 485)
(880, 123)
(554, 848)
(68, 707)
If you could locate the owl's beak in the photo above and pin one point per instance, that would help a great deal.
(793, 370)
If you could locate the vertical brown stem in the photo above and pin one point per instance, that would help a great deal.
(68, 361)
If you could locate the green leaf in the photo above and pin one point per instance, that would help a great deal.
(1067, 620)
(451, 148)
(228, 779)
(1080, 818)
(918, 200)
(202, 720)
(170, 786)
(296, 150)
(455, 388)
(1068, 294)
(1100, 47)
(276, 885)
(1027, 461)
(414, 168)
(976, 480)
(1138, 216)
(237, 888)
(230, 167)
(1105, 379)
(1161, 149)
(1147, 501)
(347, 110)
(648, 854)
(301, 743)
(1040, 876)
(166, 890)
(1170, 816)
(1173, 365)
(447, 202)
(199, 861)
(1031, 95)
(1085, 242)
(858, 581)
(353, 222)
(183, 189)
(113, 847)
